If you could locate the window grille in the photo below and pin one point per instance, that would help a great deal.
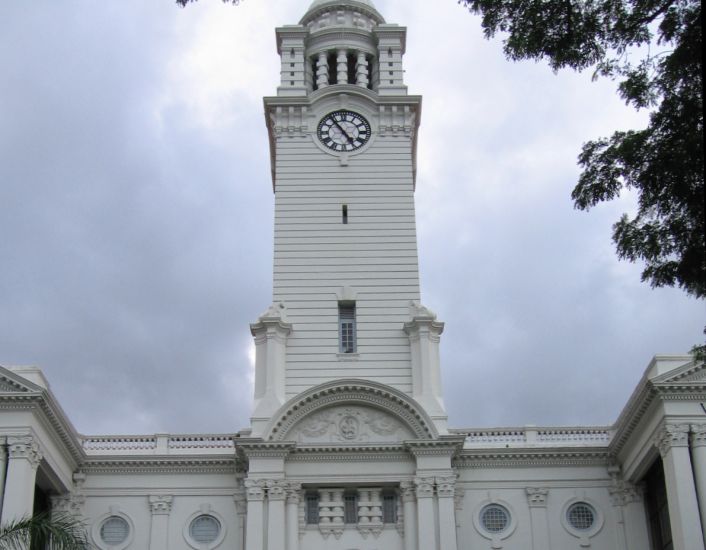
(581, 516)
(350, 508)
(312, 508)
(495, 518)
(389, 508)
(346, 328)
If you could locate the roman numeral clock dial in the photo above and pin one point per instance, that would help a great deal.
(343, 131)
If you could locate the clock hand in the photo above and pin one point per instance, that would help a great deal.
(348, 138)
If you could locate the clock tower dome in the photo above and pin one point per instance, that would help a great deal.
(346, 298)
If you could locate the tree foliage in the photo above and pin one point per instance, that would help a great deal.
(46, 532)
(663, 163)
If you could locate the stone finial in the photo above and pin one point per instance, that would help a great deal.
(277, 311)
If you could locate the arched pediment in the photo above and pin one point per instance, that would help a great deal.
(350, 411)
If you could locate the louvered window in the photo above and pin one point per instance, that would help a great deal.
(114, 531)
(346, 327)
(205, 529)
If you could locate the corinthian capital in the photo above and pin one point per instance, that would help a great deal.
(254, 489)
(698, 435)
(425, 486)
(672, 435)
(445, 485)
(160, 504)
(24, 447)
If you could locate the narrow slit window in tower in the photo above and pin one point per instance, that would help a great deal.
(344, 213)
(389, 507)
(350, 508)
(312, 508)
(346, 327)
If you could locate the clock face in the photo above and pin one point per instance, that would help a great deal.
(344, 131)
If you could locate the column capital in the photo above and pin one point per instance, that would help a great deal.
(445, 485)
(624, 493)
(407, 491)
(254, 489)
(276, 489)
(424, 487)
(24, 446)
(698, 435)
(294, 492)
(537, 496)
(160, 504)
(672, 435)
(241, 502)
(70, 504)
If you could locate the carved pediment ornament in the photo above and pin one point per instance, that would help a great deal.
(378, 412)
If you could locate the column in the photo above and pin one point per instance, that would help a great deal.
(673, 443)
(293, 497)
(276, 494)
(322, 70)
(426, 534)
(342, 66)
(22, 463)
(3, 464)
(537, 501)
(409, 510)
(254, 529)
(361, 71)
(445, 489)
(698, 458)
(160, 506)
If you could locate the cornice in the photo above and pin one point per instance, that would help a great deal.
(161, 465)
(521, 458)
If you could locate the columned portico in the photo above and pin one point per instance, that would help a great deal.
(673, 444)
(23, 458)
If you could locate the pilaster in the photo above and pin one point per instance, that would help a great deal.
(293, 496)
(255, 529)
(409, 511)
(276, 527)
(160, 508)
(426, 524)
(23, 458)
(445, 491)
(537, 502)
(673, 444)
(3, 466)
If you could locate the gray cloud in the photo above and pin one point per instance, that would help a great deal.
(136, 218)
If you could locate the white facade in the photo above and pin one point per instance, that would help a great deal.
(349, 447)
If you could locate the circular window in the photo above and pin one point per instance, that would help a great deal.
(114, 531)
(495, 518)
(205, 529)
(581, 516)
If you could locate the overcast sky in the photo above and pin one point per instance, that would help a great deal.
(136, 214)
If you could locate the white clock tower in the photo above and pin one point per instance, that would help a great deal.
(343, 134)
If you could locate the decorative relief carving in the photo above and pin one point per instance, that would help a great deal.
(24, 447)
(672, 435)
(289, 121)
(160, 504)
(349, 424)
(537, 497)
(397, 120)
